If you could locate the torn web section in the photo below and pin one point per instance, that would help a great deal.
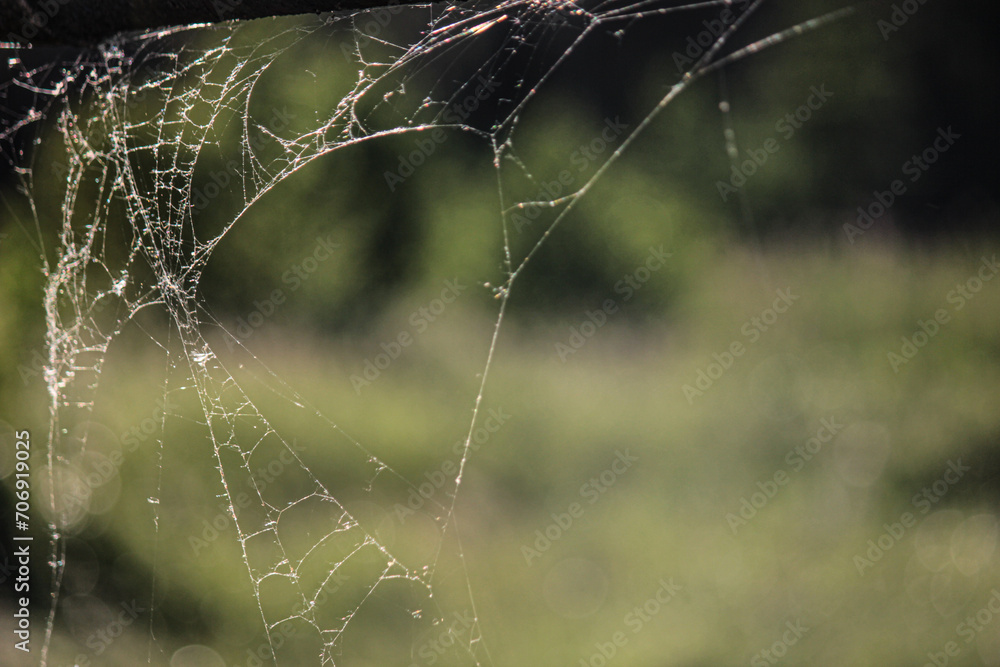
(319, 571)
(314, 560)
(150, 158)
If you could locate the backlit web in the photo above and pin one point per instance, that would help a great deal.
(146, 134)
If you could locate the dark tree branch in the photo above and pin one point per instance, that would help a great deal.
(89, 22)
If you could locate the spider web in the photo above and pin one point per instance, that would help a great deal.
(139, 120)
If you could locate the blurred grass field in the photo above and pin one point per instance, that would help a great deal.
(661, 520)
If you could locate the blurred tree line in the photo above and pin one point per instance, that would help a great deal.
(895, 73)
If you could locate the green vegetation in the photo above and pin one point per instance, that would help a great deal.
(693, 447)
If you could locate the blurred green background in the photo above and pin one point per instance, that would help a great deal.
(664, 424)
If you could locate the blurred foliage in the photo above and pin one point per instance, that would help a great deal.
(621, 391)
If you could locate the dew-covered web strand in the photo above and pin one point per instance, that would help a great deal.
(211, 402)
(295, 398)
(703, 67)
(700, 67)
(181, 317)
(154, 501)
(368, 539)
